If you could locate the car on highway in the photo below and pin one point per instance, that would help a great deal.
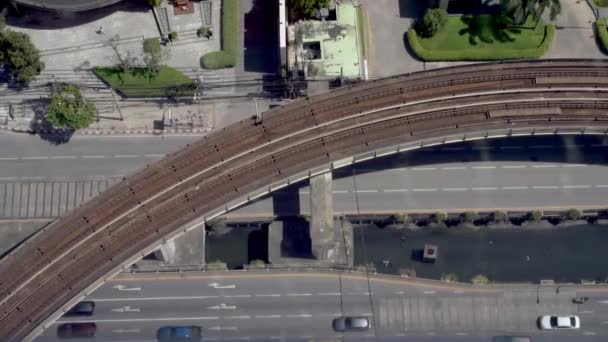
(548, 322)
(351, 323)
(84, 308)
(178, 333)
(76, 330)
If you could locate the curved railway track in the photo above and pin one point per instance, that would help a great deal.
(58, 263)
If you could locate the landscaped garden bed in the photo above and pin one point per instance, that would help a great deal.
(140, 82)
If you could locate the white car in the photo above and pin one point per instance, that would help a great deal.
(559, 322)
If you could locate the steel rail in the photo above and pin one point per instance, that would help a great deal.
(38, 287)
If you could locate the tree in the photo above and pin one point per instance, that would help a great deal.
(69, 109)
(500, 216)
(440, 217)
(574, 214)
(520, 10)
(468, 216)
(432, 21)
(308, 7)
(535, 215)
(18, 53)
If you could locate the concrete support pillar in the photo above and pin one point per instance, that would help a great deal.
(166, 252)
(321, 216)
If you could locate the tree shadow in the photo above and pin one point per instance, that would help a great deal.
(488, 29)
(40, 126)
(412, 9)
(28, 17)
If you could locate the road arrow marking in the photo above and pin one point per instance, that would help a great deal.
(222, 306)
(127, 309)
(218, 286)
(223, 328)
(124, 288)
(126, 331)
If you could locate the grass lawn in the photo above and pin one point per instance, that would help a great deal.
(361, 27)
(226, 57)
(602, 34)
(482, 38)
(601, 3)
(139, 83)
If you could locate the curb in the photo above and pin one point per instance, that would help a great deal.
(105, 132)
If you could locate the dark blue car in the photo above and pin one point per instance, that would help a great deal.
(182, 333)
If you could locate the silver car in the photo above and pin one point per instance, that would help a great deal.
(351, 324)
(559, 322)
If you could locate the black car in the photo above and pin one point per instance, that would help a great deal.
(76, 330)
(179, 333)
(85, 308)
(351, 323)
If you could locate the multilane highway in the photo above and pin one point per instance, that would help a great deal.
(300, 306)
(109, 231)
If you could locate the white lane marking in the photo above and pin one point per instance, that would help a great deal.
(483, 167)
(458, 291)
(602, 186)
(429, 292)
(126, 331)
(424, 190)
(543, 166)
(299, 316)
(423, 168)
(63, 157)
(268, 316)
(195, 318)
(365, 191)
(395, 190)
(154, 155)
(574, 165)
(92, 157)
(358, 293)
(587, 312)
(268, 295)
(237, 296)
(34, 158)
(9, 158)
(577, 186)
(126, 156)
(454, 189)
(454, 168)
(514, 166)
(589, 333)
(219, 328)
(127, 309)
(461, 334)
(336, 314)
(222, 306)
(485, 188)
(399, 292)
(218, 286)
(237, 317)
(329, 294)
(150, 298)
(515, 187)
(298, 294)
(546, 187)
(367, 314)
(275, 337)
(121, 287)
(335, 192)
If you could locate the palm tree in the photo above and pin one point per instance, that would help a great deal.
(520, 10)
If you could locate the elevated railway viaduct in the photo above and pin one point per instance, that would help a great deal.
(67, 259)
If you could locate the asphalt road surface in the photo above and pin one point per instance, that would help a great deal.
(301, 306)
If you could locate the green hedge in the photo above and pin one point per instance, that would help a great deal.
(478, 54)
(226, 58)
(602, 33)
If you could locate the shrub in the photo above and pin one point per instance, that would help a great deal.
(535, 215)
(500, 216)
(155, 3)
(69, 109)
(449, 277)
(480, 55)
(202, 31)
(440, 217)
(173, 35)
(432, 21)
(218, 60)
(601, 3)
(574, 214)
(468, 216)
(152, 45)
(602, 33)
(480, 279)
(399, 218)
(257, 263)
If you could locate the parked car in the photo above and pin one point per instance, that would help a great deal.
(511, 339)
(559, 322)
(76, 330)
(351, 323)
(85, 308)
(179, 333)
